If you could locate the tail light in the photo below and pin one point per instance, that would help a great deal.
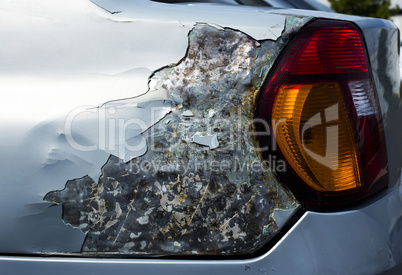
(320, 103)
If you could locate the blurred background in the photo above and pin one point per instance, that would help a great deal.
(387, 9)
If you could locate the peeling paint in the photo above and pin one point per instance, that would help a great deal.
(187, 113)
(253, 22)
(175, 193)
(209, 140)
(281, 216)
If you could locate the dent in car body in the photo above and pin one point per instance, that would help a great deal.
(172, 200)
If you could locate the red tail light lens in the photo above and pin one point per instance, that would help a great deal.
(321, 105)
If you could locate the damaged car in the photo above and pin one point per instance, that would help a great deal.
(149, 137)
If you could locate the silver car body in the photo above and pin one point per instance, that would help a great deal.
(60, 61)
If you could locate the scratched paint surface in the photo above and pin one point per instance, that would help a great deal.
(201, 187)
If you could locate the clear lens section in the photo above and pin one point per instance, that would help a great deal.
(360, 90)
(314, 133)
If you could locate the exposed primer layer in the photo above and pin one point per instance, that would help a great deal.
(177, 198)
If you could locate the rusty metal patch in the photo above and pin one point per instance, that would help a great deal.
(202, 186)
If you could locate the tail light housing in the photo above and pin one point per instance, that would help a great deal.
(321, 107)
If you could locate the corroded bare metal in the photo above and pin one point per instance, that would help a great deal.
(202, 187)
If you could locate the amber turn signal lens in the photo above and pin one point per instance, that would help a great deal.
(313, 131)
